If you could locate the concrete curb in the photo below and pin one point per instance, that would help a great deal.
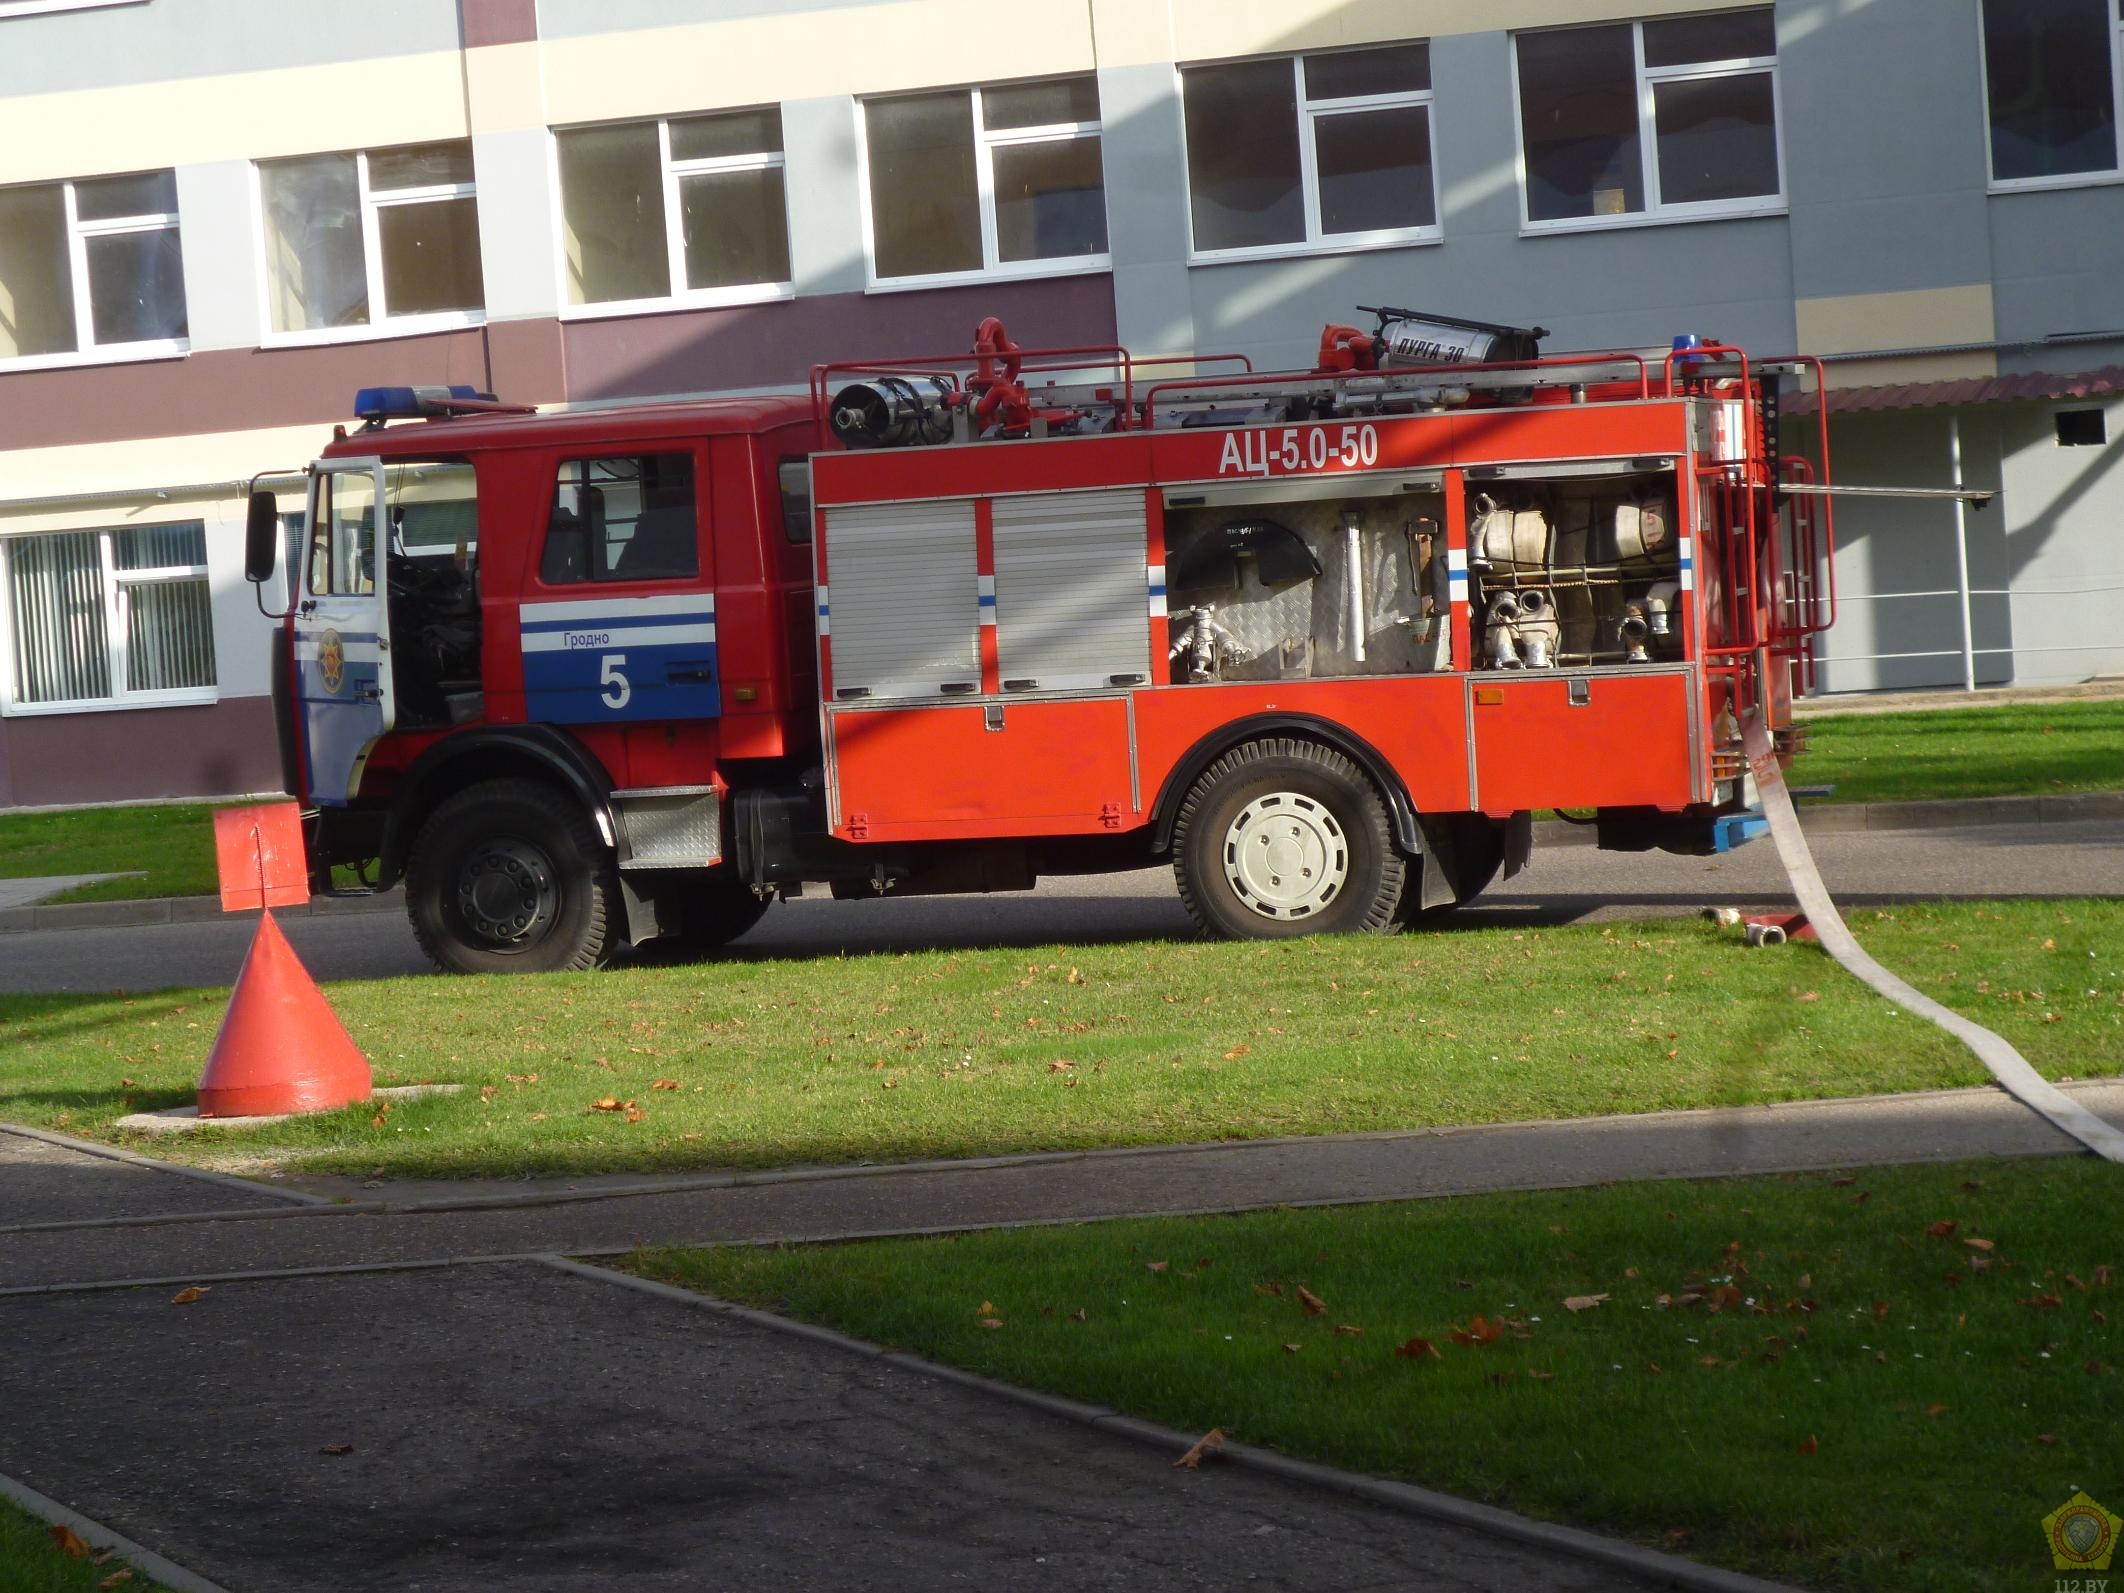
(320, 1205)
(1664, 1570)
(143, 1559)
(1824, 818)
(178, 910)
(298, 1198)
(1838, 818)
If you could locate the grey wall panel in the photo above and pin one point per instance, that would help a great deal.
(224, 293)
(518, 222)
(825, 204)
(2065, 505)
(1145, 171)
(2059, 263)
(1889, 550)
(1884, 145)
(162, 39)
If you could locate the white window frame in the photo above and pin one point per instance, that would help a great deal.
(1317, 241)
(986, 143)
(86, 350)
(38, 8)
(116, 583)
(1657, 213)
(674, 171)
(2101, 176)
(381, 323)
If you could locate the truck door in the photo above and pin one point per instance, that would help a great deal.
(342, 629)
(619, 623)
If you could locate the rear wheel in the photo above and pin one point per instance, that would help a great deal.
(1282, 838)
(510, 876)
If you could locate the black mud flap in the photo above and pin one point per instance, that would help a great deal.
(1519, 842)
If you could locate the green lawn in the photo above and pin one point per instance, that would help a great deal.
(1851, 1401)
(2037, 749)
(31, 1561)
(173, 844)
(895, 1057)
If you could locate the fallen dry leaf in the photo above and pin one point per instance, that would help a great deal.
(1707, 1360)
(1629, 1272)
(607, 1103)
(1809, 1444)
(337, 1449)
(2047, 1439)
(986, 1308)
(1077, 1315)
(116, 1579)
(1934, 1408)
(1842, 1183)
(1292, 1349)
(666, 1084)
(1981, 1244)
(1236, 1052)
(1584, 1302)
(1269, 1288)
(990, 1322)
(1675, 1537)
(189, 1295)
(1314, 1305)
(2044, 1302)
(1075, 978)
(1540, 1376)
(70, 1543)
(1192, 1460)
(1349, 1330)
(1880, 1310)
(1940, 1230)
(487, 1092)
(1418, 1350)
(1060, 1066)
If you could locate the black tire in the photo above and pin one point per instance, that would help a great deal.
(1471, 853)
(510, 876)
(714, 912)
(1338, 872)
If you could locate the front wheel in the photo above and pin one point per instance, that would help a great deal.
(1283, 837)
(510, 876)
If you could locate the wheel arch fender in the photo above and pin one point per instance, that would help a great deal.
(1401, 812)
(494, 752)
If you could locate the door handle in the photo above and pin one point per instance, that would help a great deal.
(689, 674)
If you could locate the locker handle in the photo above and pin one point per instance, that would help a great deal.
(1580, 693)
(959, 688)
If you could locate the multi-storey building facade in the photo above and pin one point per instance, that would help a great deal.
(219, 217)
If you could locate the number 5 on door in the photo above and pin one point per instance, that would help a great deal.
(617, 693)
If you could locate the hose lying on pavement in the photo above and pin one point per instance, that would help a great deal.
(2007, 1065)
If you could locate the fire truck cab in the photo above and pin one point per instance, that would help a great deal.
(1323, 639)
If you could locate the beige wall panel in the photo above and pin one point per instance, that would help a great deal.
(874, 49)
(504, 83)
(403, 99)
(1917, 318)
(157, 462)
(1137, 32)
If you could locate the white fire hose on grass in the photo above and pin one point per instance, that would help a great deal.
(2007, 1065)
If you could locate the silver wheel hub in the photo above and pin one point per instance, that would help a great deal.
(1285, 856)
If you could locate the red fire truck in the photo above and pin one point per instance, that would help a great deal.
(1322, 639)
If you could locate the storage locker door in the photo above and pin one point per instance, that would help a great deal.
(906, 599)
(1070, 590)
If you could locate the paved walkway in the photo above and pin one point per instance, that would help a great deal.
(28, 892)
(520, 1427)
(2101, 688)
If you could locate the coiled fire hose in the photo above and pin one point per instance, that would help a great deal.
(2007, 1065)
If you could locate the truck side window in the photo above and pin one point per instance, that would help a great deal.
(629, 519)
(343, 546)
(795, 474)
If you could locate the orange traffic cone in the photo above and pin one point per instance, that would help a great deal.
(281, 1048)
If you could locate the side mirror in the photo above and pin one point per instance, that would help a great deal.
(261, 540)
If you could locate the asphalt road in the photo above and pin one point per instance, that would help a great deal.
(1565, 884)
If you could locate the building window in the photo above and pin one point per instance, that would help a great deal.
(1674, 118)
(622, 520)
(359, 239)
(2082, 428)
(1316, 150)
(1000, 180)
(690, 209)
(120, 616)
(88, 266)
(2054, 85)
